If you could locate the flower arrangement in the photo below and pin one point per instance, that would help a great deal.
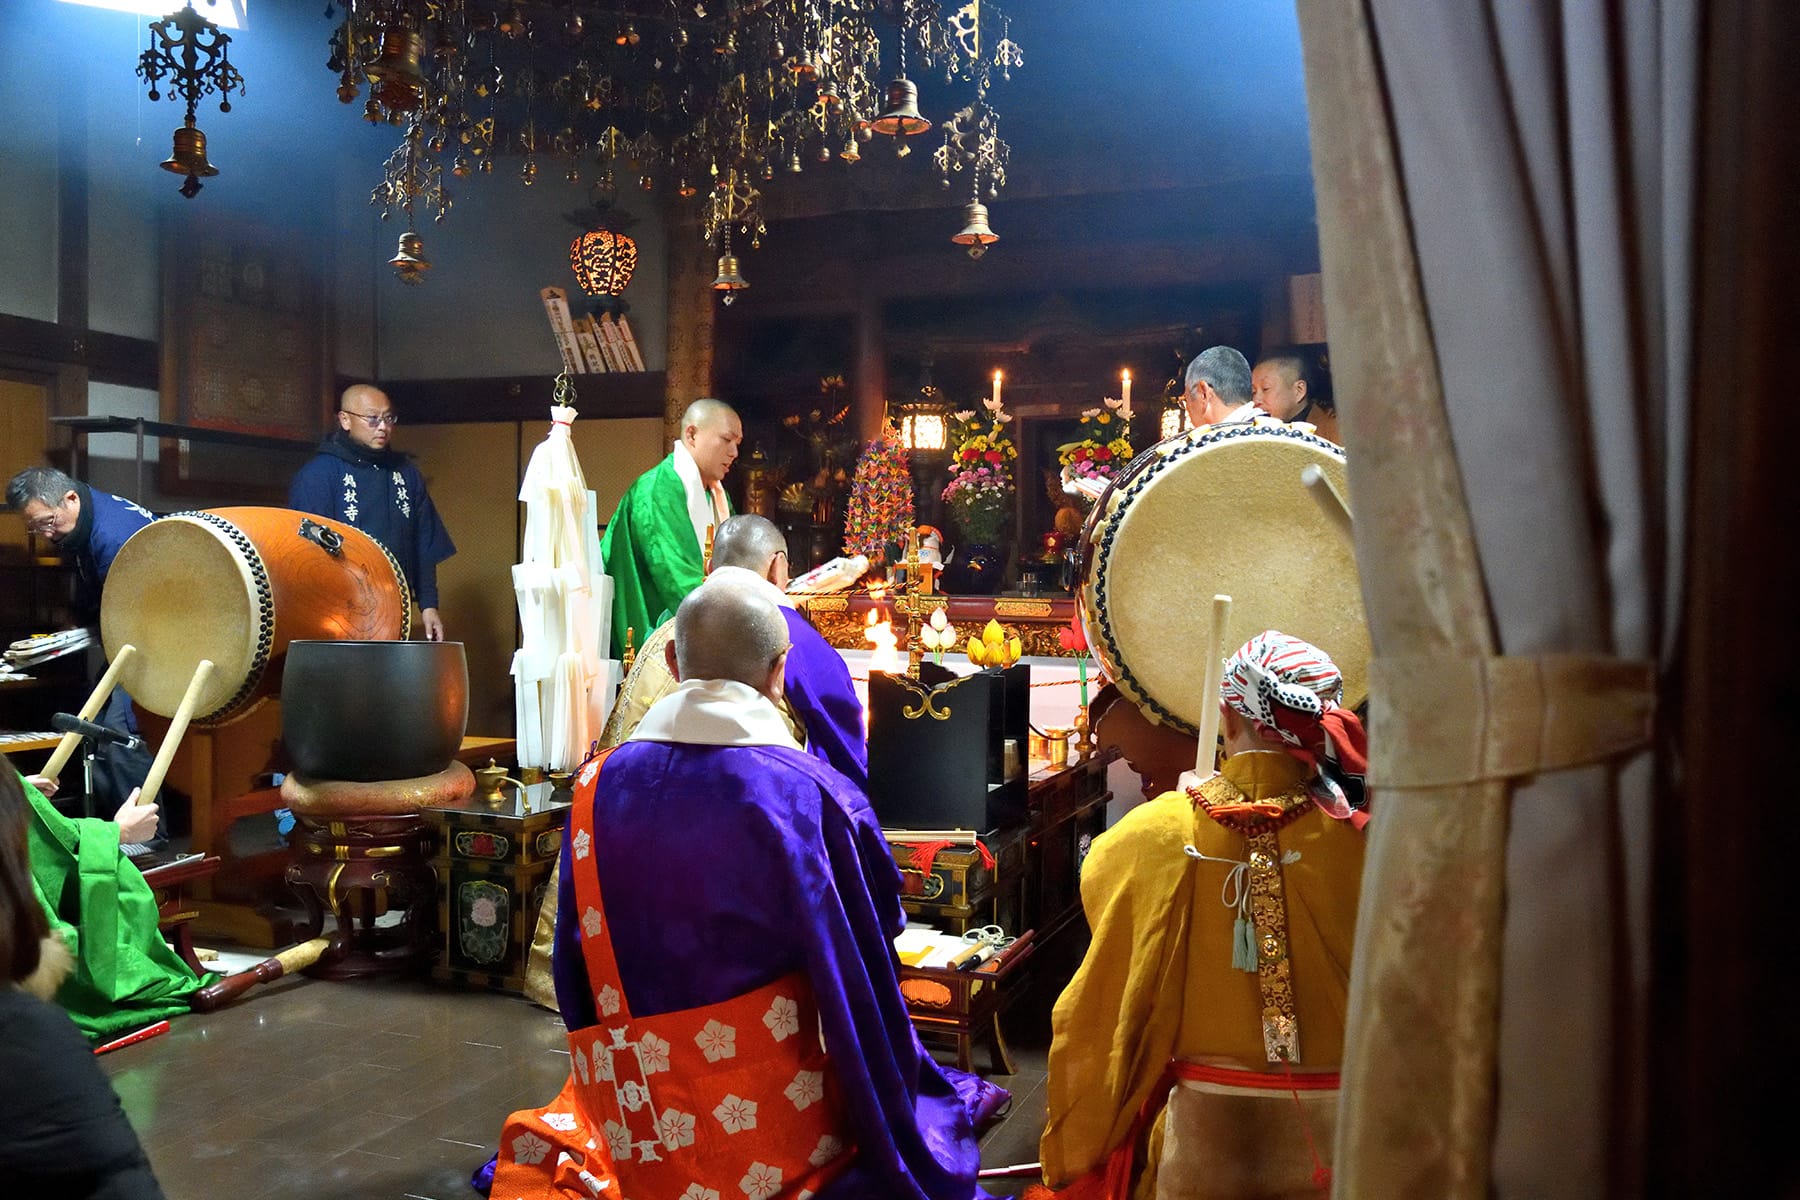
(1105, 446)
(880, 514)
(980, 491)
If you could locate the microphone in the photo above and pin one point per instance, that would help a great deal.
(64, 723)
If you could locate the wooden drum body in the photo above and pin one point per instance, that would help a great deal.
(236, 585)
(1220, 510)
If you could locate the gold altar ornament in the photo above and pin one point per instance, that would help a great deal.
(994, 648)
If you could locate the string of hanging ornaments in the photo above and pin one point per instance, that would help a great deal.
(189, 58)
(696, 96)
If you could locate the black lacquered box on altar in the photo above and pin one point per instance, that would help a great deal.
(939, 748)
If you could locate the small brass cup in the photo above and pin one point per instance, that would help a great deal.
(1058, 737)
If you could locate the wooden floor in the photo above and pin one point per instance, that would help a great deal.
(379, 1090)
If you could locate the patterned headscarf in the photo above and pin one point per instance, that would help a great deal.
(1290, 689)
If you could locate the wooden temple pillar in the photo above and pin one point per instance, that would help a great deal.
(692, 312)
(871, 364)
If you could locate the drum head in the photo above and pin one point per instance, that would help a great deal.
(181, 590)
(1222, 512)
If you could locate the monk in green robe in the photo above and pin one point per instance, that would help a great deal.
(654, 547)
(126, 976)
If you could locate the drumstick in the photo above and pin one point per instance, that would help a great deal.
(1330, 500)
(1207, 753)
(59, 757)
(294, 958)
(165, 753)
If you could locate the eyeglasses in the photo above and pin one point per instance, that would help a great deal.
(43, 526)
(375, 421)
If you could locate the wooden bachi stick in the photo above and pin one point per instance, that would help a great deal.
(294, 958)
(165, 753)
(59, 757)
(1330, 500)
(1207, 753)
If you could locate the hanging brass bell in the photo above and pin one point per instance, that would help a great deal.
(850, 153)
(189, 158)
(975, 233)
(409, 262)
(395, 76)
(901, 116)
(730, 280)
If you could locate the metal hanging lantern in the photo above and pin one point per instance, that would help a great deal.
(603, 262)
(975, 232)
(409, 262)
(901, 117)
(730, 280)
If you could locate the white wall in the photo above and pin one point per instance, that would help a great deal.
(290, 156)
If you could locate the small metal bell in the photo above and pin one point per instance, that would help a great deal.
(975, 233)
(189, 158)
(850, 153)
(901, 116)
(409, 262)
(730, 280)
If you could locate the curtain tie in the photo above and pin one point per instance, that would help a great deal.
(1447, 721)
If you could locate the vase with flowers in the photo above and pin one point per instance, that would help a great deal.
(1103, 450)
(979, 496)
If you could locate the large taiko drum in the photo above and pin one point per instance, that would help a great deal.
(1217, 510)
(236, 585)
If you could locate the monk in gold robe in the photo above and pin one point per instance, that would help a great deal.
(1217, 981)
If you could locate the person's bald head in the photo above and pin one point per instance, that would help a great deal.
(367, 415)
(754, 543)
(711, 431)
(728, 628)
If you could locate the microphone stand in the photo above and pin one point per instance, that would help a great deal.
(91, 750)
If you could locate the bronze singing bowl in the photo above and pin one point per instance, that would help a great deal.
(370, 711)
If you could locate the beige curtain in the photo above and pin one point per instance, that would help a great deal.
(1505, 210)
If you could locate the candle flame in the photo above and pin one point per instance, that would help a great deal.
(880, 634)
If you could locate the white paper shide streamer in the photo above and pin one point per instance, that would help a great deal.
(562, 686)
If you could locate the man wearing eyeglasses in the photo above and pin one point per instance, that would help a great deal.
(357, 479)
(89, 526)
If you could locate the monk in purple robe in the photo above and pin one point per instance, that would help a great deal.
(731, 863)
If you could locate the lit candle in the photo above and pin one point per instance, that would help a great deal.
(1125, 393)
(996, 389)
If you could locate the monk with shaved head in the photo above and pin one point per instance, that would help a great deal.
(724, 960)
(654, 547)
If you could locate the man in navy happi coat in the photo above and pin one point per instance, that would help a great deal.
(89, 527)
(355, 478)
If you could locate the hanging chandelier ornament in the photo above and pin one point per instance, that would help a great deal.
(411, 178)
(701, 97)
(195, 59)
